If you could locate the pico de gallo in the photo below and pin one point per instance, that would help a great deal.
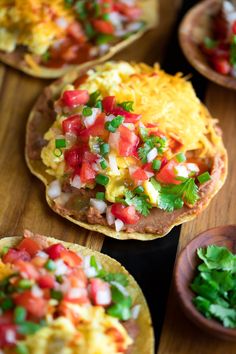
(43, 285)
(103, 147)
(220, 48)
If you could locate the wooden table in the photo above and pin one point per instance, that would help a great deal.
(22, 195)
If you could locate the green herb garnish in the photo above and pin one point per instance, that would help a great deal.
(149, 143)
(127, 105)
(140, 202)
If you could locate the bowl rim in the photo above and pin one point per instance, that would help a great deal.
(209, 325)
(187, 46)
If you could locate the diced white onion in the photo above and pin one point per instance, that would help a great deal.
(228, 6)
(75, 293)
(152, 155)
(63, 198)
(130, 126)
(42, 254)
(95, 166)
(133, 27)
(10, 336)
(90, 120)
(54, 189)
(115, 18)
(103, 49)
(113, 165)
(90, 272)
(110, 217)
(86, 262)
(231, 17)
(135, 311)
(36, 291)
(62, 22)
(149, 174)
(128, 2)
(103, 297)
(113, 140)
(181, 171)
(119, 225)
(121, 32)
(192, 167)
(99, 205)
(120, 287)
(61, 268)
(109, 118)
(76, 182)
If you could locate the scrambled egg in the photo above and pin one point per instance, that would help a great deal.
(33, 23)
(5, 270)
(91, 336)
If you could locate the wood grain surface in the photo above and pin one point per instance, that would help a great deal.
(179, 335)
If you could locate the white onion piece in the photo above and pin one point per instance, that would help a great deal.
(130, 126)
(116, 19)
(181, 171)
(95, 167)
(109, 118)
(76, 182)
(86, 262)
(36, 291)
(128, 2)
(113, 140)
(152, 155)
(113, 165)
(133, 27)
(75, 293)
(54, 189)
(90, 120)
(42, 254)
(90, 272)
(62, 22)
(103, 297)
(103, 49)
(149, 174)
(135, 311)
(63, 198)
(120, 287)
(231, 17)
(121, 32)
(192, 167)
(119, 225)
(110, 217)
(99, 205)
(61, 268)
(10, 336)
(228, 7)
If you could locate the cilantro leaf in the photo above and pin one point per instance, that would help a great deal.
(188, 190)
(233, 51)
(140, 202)
(117, 277)
(227, 316)
(216, 257)
(169, 202)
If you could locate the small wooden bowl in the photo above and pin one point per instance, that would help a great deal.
(195, 26)
(185, 271)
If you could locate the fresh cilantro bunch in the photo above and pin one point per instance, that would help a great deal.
(139, 201)
(215, 285)
(150, 142)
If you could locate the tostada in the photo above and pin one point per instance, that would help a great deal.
(125, 149)
(57, 297)
(46, 38)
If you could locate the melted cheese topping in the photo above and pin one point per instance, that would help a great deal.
(91, 336)
(33, 23)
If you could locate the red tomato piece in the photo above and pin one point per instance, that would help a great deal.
(234, 27)
(78, 278)
(128, 141)
(90, 157)
(129, 117)
(6, 318)
(8, 335)
(54, 251)
(72, 124)
(75, 31)
(148, 167)
(102, 26)
(222, 66)
(175, 145)
(27, 269)
(73, 98)
(87, 173)
(71, 258)
(109, 103)
(29, 245)
(140, 175)
(78, 296)
(167, 173)
(35, 306)
(100, 292)
(97, 129)
(46, 281)
(126, 214)
(13, 255)
(132, 12)
(73, 157)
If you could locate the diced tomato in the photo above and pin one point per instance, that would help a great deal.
(54, 251)
(38, 262)
(29, 245)
(73, 124)
(102, 26)
(78, 296)
(115, 334)
(167, 173)
(100, 292)
(75, 31)
(164, 161)
(148, 167)
(129, 117)
(175, 145)
(126, 214)
(35, 306)
(77, 278)
(14, 255)
(46, 281)
(132, 12)
(6, 318)
(128, 141)
(8, 335)
(109, 103)
(69, 54)
(71, 258)
(73, 157)
(234, 27)
(66, 309)
(140, 175)
(89, 157)
(73, 98)
(27, 269)
(87, 173)
(97, 129)
(222, 66)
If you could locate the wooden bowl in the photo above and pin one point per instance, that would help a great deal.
(185, 271)
(195, 26)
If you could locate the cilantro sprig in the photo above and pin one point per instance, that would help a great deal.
(215, 285)
(150, 142)
(139, 201)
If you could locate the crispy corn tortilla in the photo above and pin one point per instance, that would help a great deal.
(144, 342)
(41, 118)
(16, 59)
